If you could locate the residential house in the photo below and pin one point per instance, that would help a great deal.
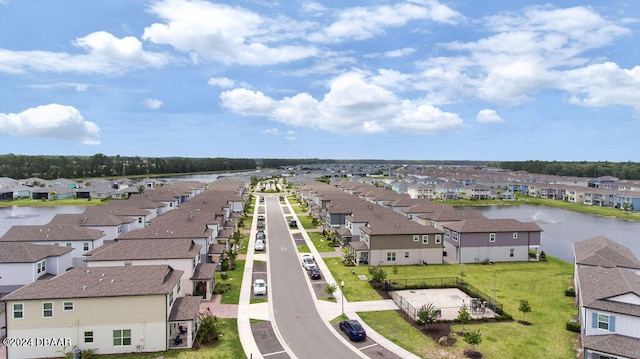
(398, 240)
(52, 193)
(81, 239)
(491, 240)
(180, 253)
(24, 263)
(109, 309)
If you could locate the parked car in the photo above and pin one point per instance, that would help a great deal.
(353, 329)
(293, 223)
(260, 218)
(260, 235)
(259, 287)
(259, 245)
(260, 224)
(314, 273)
(308, 262)
(261, 199)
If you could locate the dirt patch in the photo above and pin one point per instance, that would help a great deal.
(524, 322)
(473, 354)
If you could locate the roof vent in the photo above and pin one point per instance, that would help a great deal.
(84, 287)
(112, 281)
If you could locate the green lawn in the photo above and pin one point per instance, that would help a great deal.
(540, 283)
(235, 278)
(320, 242)
(227, 346)
(56, 203)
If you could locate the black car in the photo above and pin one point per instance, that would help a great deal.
(354, 329)
(314, 273)
(260, 224)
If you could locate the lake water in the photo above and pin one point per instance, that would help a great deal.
(562, 228)
(15, 215)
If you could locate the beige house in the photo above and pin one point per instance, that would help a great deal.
(109, 309)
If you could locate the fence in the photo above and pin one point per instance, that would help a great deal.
(430, 283)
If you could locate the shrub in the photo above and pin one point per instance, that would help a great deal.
(221, 288)
(570, 292)
(573, 327)
(208, 330)
(224, 275)
(504, 317)
(473, 337)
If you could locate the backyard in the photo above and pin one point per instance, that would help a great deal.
(542, 284)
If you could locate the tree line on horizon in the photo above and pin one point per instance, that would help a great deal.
(100, 165)
(621, 170)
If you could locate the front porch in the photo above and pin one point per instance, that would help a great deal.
(204, 280)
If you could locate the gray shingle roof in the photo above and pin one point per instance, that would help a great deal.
(19, 252)
(603, 252)
(598, 285)
(485, 225)
(204, 271)
(621, 345)
(51, 232)
(102, 282)
(185, 308)
(147, 249)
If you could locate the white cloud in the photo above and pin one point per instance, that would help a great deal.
(400, 52)
(78, 87)
(488, 116)
(227, 34)
(152, 103)
(272, 131)
(313, 8)
(221, 82)
(361, 23)
(104, 54)
(291, 136)
(51, 121)
(603, 85)
(528, 52)
(352, 104)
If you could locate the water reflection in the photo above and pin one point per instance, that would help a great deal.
(18, 215)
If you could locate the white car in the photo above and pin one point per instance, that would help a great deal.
(259, 245)
(259, 287)
(308, 262)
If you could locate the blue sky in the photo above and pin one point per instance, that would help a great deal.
(423, 79)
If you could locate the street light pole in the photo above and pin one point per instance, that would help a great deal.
(342, 291)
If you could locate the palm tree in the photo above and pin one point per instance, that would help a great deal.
(231, 255)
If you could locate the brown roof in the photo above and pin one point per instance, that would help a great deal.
(51, 232)
(102, 282)
(216, 248)
(485, 225)
(397, 225)
(19, 252)
(175, 224)
(619, 345)
(204, 271)
(185, 308)
(603, 252)
(147, 249)
(598, 285)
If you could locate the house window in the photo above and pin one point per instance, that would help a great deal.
(121, 337)
(416, 237)
(179, 288)
(127, 264)
(47, 310)
(88, 337)
(391, 256)
(406, 254)
(67, 306)
(492, 237)
(171, 298)
(511, 252)
(18, 311)
(140, 220)
(447, 233)
(438, 238)
(85, 246)
(433, 224)
(515, 235)
(455, 236)
(425, 239)
(56, 244)
(119, 229)
(603, 321)
(41, 267)
(68, 244)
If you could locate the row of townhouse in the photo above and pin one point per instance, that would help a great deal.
(61, 188)
(383, 227)
(607, 282)
(138, 287)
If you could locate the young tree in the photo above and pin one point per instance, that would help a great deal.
(428, 314)
(463, 315)
(231, 255)
(473, 337)
(524, 307)
(378, 274)
(330, 288)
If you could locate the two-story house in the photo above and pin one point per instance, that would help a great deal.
(109, 309)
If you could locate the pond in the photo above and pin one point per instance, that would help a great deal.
(561, 228)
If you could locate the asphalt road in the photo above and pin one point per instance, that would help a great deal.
(294, 311)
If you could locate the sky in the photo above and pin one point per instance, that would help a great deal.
(509, 80)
